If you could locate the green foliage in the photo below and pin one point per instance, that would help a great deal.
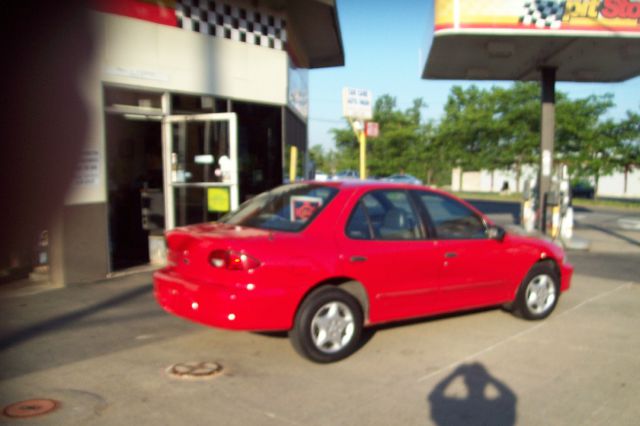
(496, 128)
(583, 141)
(628, 150)
(405, 144)
(324, 161)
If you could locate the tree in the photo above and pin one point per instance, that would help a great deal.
(324, 160)
(404, 143)
(490, 129)
(627, 152)
(518, 111)
(347, 147)
(583, 141)
(471, 129)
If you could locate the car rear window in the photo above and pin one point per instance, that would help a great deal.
(287, 208)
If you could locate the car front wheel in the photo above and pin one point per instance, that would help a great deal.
(328, 325)
(538, 293)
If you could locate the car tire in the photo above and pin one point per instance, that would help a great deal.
(538, 293)
(328, 325)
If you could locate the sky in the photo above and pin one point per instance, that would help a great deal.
(385, 46)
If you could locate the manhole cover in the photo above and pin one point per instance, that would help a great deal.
(195, 370)
(30, 408)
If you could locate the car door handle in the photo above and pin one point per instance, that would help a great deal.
(450, 254)
(355, 259)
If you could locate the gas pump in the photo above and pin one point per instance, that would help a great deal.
(557, 213)
(551, 209)
(566, 210)
(528, 218)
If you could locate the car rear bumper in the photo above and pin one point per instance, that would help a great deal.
(238, 307)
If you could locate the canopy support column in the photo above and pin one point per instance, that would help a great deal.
(547, 137)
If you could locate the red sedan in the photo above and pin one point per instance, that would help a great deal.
(323, 260)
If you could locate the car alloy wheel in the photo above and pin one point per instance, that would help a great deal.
(539, 291)
(540, 294)
(327, 326)
(332, 327)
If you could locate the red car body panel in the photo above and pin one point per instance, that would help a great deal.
(401, 279)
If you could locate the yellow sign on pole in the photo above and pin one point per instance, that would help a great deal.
(218, 200)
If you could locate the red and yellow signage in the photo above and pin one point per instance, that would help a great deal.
(601, 16)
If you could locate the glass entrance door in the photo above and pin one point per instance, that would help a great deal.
(200, 167)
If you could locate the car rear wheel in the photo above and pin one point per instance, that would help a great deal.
(328, 325)
(538, 293)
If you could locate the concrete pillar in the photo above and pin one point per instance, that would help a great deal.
(547, 138)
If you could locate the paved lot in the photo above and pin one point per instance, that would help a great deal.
(102, 351)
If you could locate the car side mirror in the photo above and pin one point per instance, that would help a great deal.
(496, 233)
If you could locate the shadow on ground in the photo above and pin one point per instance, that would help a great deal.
(471, 396)
(47, 327)
(60, 321)
(609, 232)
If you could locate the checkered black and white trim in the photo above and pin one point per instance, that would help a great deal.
(543, 13)
(233, 22)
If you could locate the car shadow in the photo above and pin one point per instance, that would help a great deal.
(369, 332)
(472, 396)
(420, 320)
(273, 334)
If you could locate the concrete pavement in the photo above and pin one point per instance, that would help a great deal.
(102, 350)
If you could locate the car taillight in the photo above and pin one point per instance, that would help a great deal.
(233, 260)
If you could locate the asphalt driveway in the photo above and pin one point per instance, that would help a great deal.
(102, 351)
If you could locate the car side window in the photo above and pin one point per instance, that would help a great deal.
(384, 215)
(358, 227)
(451, 219)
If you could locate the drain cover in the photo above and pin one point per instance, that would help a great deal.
(30, 408)
(195, 370)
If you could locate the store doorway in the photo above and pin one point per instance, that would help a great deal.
(135, 187)
(202, 158)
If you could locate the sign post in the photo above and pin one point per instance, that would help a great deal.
(357, 107)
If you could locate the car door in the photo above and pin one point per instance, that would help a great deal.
(472, 265)
(383, 246)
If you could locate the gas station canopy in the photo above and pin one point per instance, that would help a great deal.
(583, 40)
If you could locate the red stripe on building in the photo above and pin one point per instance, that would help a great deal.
(159, 12)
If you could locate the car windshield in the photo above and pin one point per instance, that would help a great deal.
(287, 208)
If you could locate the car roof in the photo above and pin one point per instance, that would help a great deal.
(372, 184)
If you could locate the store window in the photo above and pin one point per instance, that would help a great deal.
(259, 147)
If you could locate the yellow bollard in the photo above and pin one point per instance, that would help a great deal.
(293, 164)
